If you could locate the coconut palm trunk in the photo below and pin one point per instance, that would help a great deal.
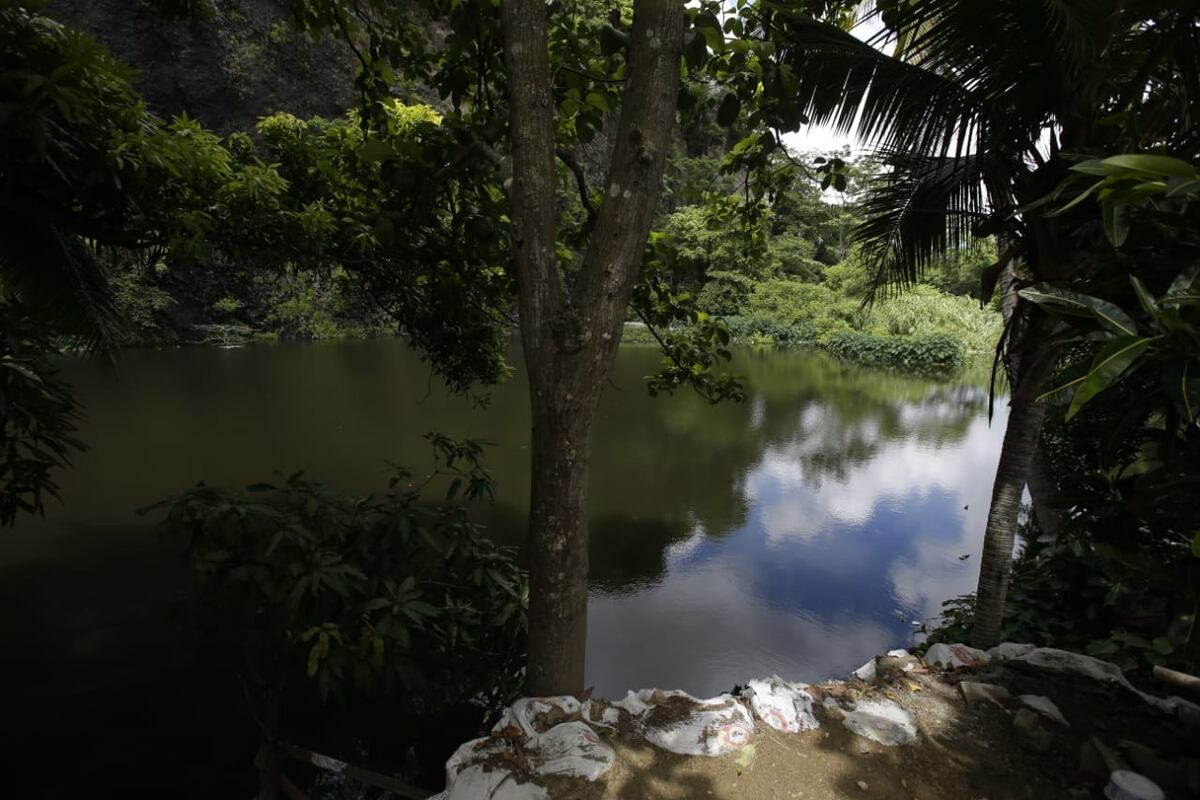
(1034, 358)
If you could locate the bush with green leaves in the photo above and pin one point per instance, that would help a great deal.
(935, 352)
(38, 416)
(924, 310)
(725, 293)
(761, 329)
(791, 302)
(960, 272)
(361, 593)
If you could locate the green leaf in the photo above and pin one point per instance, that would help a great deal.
(1196, 545)
(1162, 646)
(1144, 297)
(1082, 305)
(314, 660)
(1116, 223)
(1113, 359)
(598, 101)
(711, 33)
(746, 757)
(1185, 281)
(1092, 166)
(1151, 164)
(728, 111)
(375, 150)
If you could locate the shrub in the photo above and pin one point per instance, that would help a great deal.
(725, 294)
(38, 414)
(767, 330)
(927, 353)
(923, 310)
(791, 302)
(360, 593)
(637, 333)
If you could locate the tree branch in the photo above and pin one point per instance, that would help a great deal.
(531, 128)
(585, 194)
(643, 139)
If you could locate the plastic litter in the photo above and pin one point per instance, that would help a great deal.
(693, 727)
(882, 721)
(867, 671)
(954, 656)
(1126, 785)
(784, 706)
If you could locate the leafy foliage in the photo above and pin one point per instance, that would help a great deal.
(38, 415)
(360, 593)
(1119, 578)
(923, 310)
(928, 353)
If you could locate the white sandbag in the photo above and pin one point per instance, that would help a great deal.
(1064, 662)
(881, 721)
(632, 704)
(530, 734)
(524, 711)
(600, 713)
(706, 728)
(954, 656)
(1006, 650)
(572, 749)
(784, 706)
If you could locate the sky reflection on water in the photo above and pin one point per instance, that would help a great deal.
(834, 560)
(727, 542)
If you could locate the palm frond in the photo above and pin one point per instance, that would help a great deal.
(850, 85)
(922, 208)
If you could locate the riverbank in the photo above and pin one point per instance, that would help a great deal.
(1016, 722)
(928, 355)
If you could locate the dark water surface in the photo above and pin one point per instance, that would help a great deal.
(797, 533)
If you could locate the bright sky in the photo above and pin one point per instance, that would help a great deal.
(822, 137)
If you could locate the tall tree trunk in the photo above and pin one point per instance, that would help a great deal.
(570, 342)
(1035, 359)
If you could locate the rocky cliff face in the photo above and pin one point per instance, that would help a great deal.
(243, 60)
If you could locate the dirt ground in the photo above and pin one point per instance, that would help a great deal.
(962, 755)
(993, 748)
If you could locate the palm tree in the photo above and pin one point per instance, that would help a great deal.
(978, 113)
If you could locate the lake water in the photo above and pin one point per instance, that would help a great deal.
(797, 533)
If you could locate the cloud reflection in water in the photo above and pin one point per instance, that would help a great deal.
(848, 524)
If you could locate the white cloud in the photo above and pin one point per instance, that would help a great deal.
(706, 629)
